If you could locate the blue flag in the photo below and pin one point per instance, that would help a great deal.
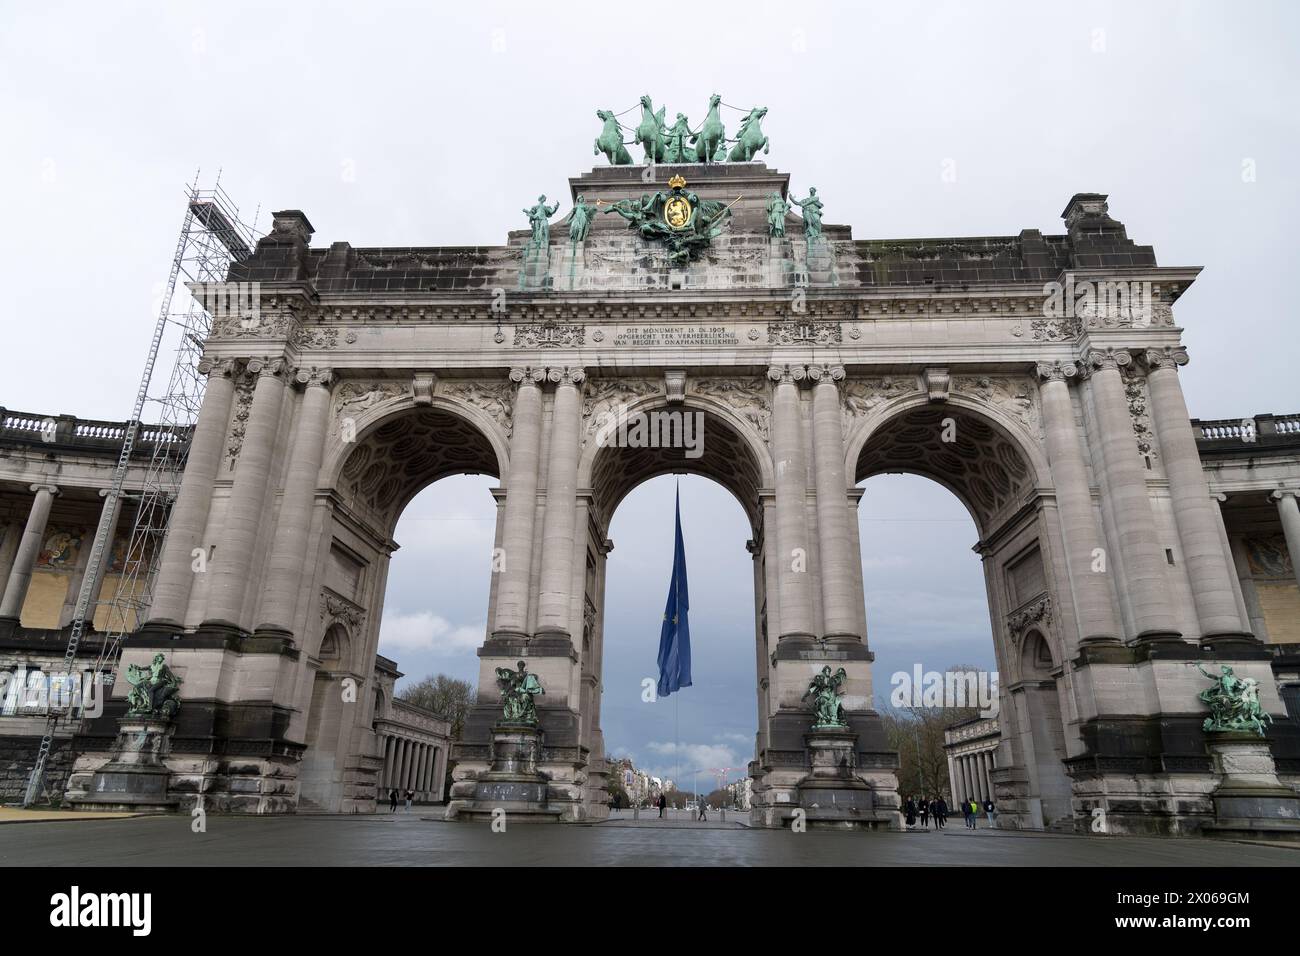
(675, 637)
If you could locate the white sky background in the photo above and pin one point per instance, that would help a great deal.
(428, 124)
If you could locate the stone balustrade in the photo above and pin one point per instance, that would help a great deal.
(86, 435)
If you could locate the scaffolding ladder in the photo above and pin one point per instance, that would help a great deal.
(212, 238)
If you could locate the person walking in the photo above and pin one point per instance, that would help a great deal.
(965, 812)
(943, 813)
(923, 809)
(934, 812)
(990, 811)
(410, 795)
(663, 803)
(703, 816)
(974, 814)
(910, 810)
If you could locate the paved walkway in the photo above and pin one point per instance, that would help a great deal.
(409, 840)
(677, 819)
(19, 815)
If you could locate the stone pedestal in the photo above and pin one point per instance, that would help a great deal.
(570, 273)
(781, 269)
(136, 777)
(535, 269)
(1250, 803)
(513, 783)
(820, 258)
(832, 794)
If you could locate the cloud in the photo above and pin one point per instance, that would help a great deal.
(426, 631)
(696, 756)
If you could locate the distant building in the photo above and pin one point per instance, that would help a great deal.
(971, 747)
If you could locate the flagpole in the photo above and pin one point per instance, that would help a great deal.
(677, 737)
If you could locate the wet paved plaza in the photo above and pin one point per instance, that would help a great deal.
(410, 839)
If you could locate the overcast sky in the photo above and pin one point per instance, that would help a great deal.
(426, 124)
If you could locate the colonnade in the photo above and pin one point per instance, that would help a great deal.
(971, 775)
(411, 764)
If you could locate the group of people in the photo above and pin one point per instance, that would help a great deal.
(935, 811)
(928, 811)
(392, 800)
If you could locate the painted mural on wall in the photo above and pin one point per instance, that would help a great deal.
(60, 548)
(1268, 557)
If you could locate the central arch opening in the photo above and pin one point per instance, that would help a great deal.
(705, 733)
(702, 737)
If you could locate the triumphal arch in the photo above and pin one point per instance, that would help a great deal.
(1036, 376)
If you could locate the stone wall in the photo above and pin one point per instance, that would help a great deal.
(18, 754)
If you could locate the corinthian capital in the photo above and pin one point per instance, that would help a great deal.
(1100, 359)
(828, 374)
(274, 367)
(527, 375)
(1057, 371)
(218, 368)
(314, 377)
(1170, 356)
(566, 374)
(780, 374)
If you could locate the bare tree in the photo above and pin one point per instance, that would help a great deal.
(444, 695)
(917, 734)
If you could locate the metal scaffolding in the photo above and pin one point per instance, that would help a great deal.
(212, 238)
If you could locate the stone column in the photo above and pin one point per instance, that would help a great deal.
(1094, 608)
(1217, 499)
(189, 515)
(1194, 513)
(1289, 511)
(952, 780)
(292, 527)
(521, 505)
(387, 775)
(29, 548)
(232, 562)
(1139, 544)
(561, 503)
(791, 503)
(10, 534)
(834, 517)
(404, 763)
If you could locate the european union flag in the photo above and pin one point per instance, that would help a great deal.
(675, 637)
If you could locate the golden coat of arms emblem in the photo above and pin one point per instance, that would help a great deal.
(677, 208)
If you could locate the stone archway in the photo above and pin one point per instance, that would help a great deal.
(732, 455)
(979, 445)
(378, 458)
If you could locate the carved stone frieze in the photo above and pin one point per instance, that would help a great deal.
(604, 397)
(239, 418)
(549, 335)
(747, 397)
(1039, 612)
(355, 397)
(494, 398)
(802, 331)
(1055, 330)
(1014, 395)
(336, 609)
(1135, 393)
(861, 395)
